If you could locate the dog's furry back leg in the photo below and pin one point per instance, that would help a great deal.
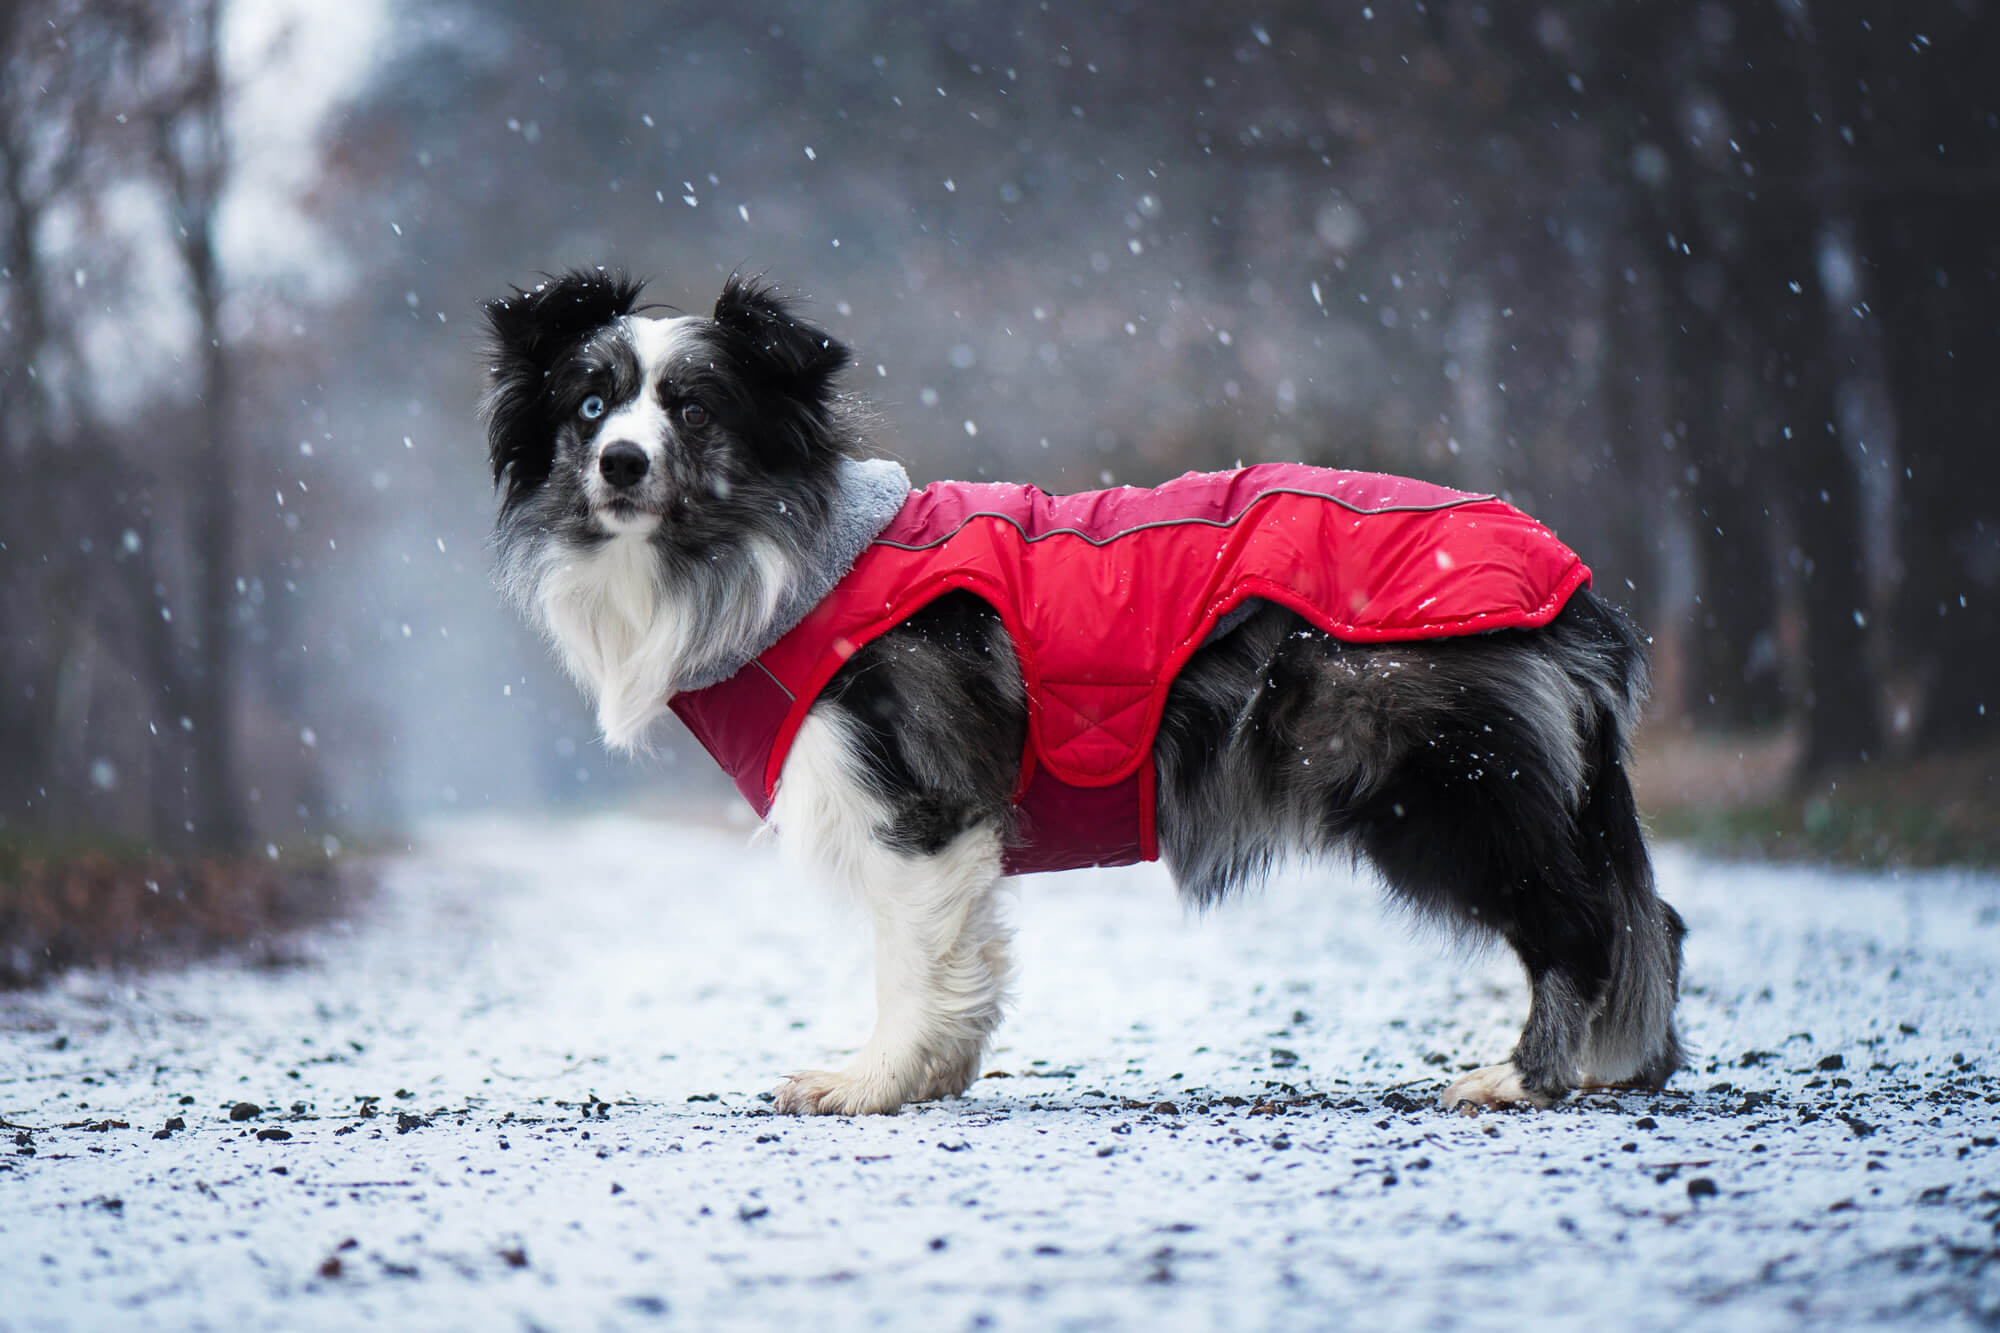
(1603, 956)
(1632, 1038)
(1482, 776)
(1602, 950)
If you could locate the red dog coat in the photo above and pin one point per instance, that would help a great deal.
(1107, 593)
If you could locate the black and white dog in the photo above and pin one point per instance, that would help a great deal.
(671, 491)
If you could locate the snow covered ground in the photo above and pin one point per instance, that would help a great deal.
(525, 1089)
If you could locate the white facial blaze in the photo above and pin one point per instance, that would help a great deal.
(642, 419)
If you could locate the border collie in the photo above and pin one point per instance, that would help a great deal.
(678, 492)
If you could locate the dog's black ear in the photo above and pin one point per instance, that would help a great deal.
(770, 339)
(539, 324)
(529, 331)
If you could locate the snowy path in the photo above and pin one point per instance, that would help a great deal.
(523, 1090)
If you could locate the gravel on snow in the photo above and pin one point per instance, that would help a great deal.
(527, 1087)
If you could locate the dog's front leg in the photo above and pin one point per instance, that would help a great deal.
(941, 968)
(941, 955)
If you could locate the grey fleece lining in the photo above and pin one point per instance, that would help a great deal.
(868, 493)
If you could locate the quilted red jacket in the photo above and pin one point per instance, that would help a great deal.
(1107, 593)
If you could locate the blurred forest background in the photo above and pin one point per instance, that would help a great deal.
(1713, 288)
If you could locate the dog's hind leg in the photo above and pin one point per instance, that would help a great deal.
(1545, 1061)
(1603, 957)
(1507, 811)
(941, 941)
(1602, 953)
(1632, 1035)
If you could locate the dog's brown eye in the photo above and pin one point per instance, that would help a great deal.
(694, 414)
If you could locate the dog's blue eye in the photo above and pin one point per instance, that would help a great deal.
(592, 409)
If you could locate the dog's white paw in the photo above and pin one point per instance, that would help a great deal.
(865, 1088)
(1493, 1086)
(819, 1092)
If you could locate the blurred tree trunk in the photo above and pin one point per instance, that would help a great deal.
(36, 165)
(1938, 271)
(23, 718)
(1732, 490)
(1798, 221)
(193, 155)
(1842, 699)
(1631, 406)
(1927, 159)
(167, 693)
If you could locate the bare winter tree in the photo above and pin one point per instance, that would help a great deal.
(190, 149)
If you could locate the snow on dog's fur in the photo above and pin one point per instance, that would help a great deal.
(667, 490)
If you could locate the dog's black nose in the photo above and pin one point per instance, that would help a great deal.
(622, 464)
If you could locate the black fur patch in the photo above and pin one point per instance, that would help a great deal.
(787, 365)
(935, 702)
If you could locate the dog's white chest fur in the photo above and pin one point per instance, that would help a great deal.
(629, 640)
(618, 633)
